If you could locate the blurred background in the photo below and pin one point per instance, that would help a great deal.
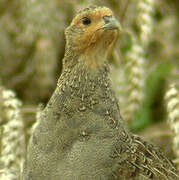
(144, 67)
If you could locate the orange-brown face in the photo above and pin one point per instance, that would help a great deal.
(93, 28)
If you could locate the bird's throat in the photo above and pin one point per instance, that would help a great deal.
(93, 58)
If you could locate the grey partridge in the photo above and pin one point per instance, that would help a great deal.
(80, 134)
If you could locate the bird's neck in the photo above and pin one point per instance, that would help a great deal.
(80, 82)
(86, 92)
(84, 77)
(93, 58)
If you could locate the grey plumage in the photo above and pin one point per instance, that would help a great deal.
(80, 135)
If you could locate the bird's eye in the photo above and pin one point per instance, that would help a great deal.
(86, 21)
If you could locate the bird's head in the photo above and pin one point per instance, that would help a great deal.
(92, 32)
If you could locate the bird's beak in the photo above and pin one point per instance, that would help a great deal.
(111, 23)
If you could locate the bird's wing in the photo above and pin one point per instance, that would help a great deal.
(145, 161)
